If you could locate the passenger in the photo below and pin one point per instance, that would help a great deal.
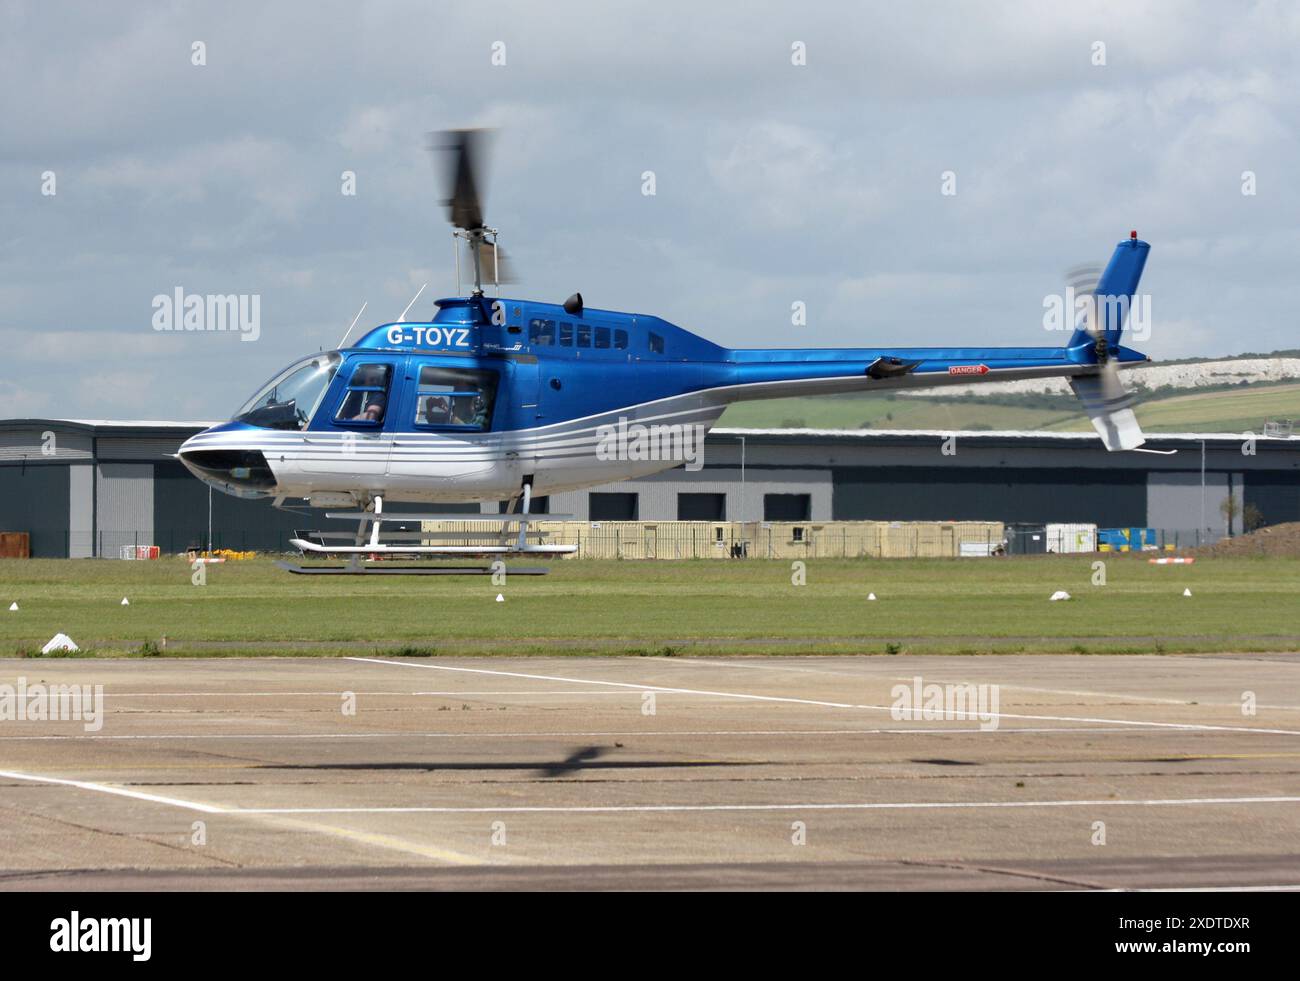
(462, 411)
(436, 410)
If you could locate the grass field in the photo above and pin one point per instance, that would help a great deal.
(660, 608)
(1231, 411)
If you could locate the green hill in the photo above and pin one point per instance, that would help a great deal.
(1235, 409)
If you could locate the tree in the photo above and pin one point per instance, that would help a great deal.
(1252, 518)
(1230, 509)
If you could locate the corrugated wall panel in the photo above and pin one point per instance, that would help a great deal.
(1276, 493)
(129, 448)
(81, 511)
(34, 499)
(124, 495)
(30, 444)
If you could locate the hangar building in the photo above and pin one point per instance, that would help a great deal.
(84, 488)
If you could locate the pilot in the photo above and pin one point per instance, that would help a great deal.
(480, 418)
(374, 410)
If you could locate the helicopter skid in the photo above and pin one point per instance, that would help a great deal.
(383, 549)
(405, 570)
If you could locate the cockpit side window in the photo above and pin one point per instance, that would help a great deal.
(366, 400)
(656, 343)
(290, 399)
(455, 398)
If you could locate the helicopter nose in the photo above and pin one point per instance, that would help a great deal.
(236, 471)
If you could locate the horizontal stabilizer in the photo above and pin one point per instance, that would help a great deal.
(1110, 407)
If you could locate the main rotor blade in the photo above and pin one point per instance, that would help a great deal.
(462, 173)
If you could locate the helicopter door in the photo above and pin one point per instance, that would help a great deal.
(448, 412)
(352, 431)
(525, 408)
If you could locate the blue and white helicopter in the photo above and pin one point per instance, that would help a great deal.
(498, 399)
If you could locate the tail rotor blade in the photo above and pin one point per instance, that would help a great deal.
(1110, 407)
(1083, 281)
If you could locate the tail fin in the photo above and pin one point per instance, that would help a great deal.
(1115, 292)
(1104, 397)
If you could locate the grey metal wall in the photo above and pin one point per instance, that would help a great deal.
(1107, 498)
(744, 502)
(34, 499)
(1275, 492)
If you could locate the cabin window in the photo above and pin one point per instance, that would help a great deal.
(455, 398)
(291, 398)
(602, 337)
(584, 335)
(656, 343)
(541, 332)
(566, 334)
(620, 339)
(366, 400)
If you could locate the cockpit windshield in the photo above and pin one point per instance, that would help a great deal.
(290, 399)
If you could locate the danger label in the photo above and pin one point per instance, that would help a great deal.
(969, 369)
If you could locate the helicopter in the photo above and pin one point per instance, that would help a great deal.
(499, 399)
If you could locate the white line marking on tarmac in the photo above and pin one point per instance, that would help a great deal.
(115, 791)
(869, 806)
(826, 704)
(635, 808)
(1272, 888)
(336, 694)
(657, 733)
(377, 840)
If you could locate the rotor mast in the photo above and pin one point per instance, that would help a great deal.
(477, 239)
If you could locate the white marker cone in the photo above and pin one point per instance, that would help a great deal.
(125, 601)
(1060, 594)
(871, 596)
(13, 607)
(500, 598)
(60, 642)
(1187, 592)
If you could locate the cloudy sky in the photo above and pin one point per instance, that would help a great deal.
(775, 182)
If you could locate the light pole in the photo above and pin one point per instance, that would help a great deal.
(1204, 527)
(742, 478)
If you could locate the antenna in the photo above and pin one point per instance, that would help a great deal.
(353, 324)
